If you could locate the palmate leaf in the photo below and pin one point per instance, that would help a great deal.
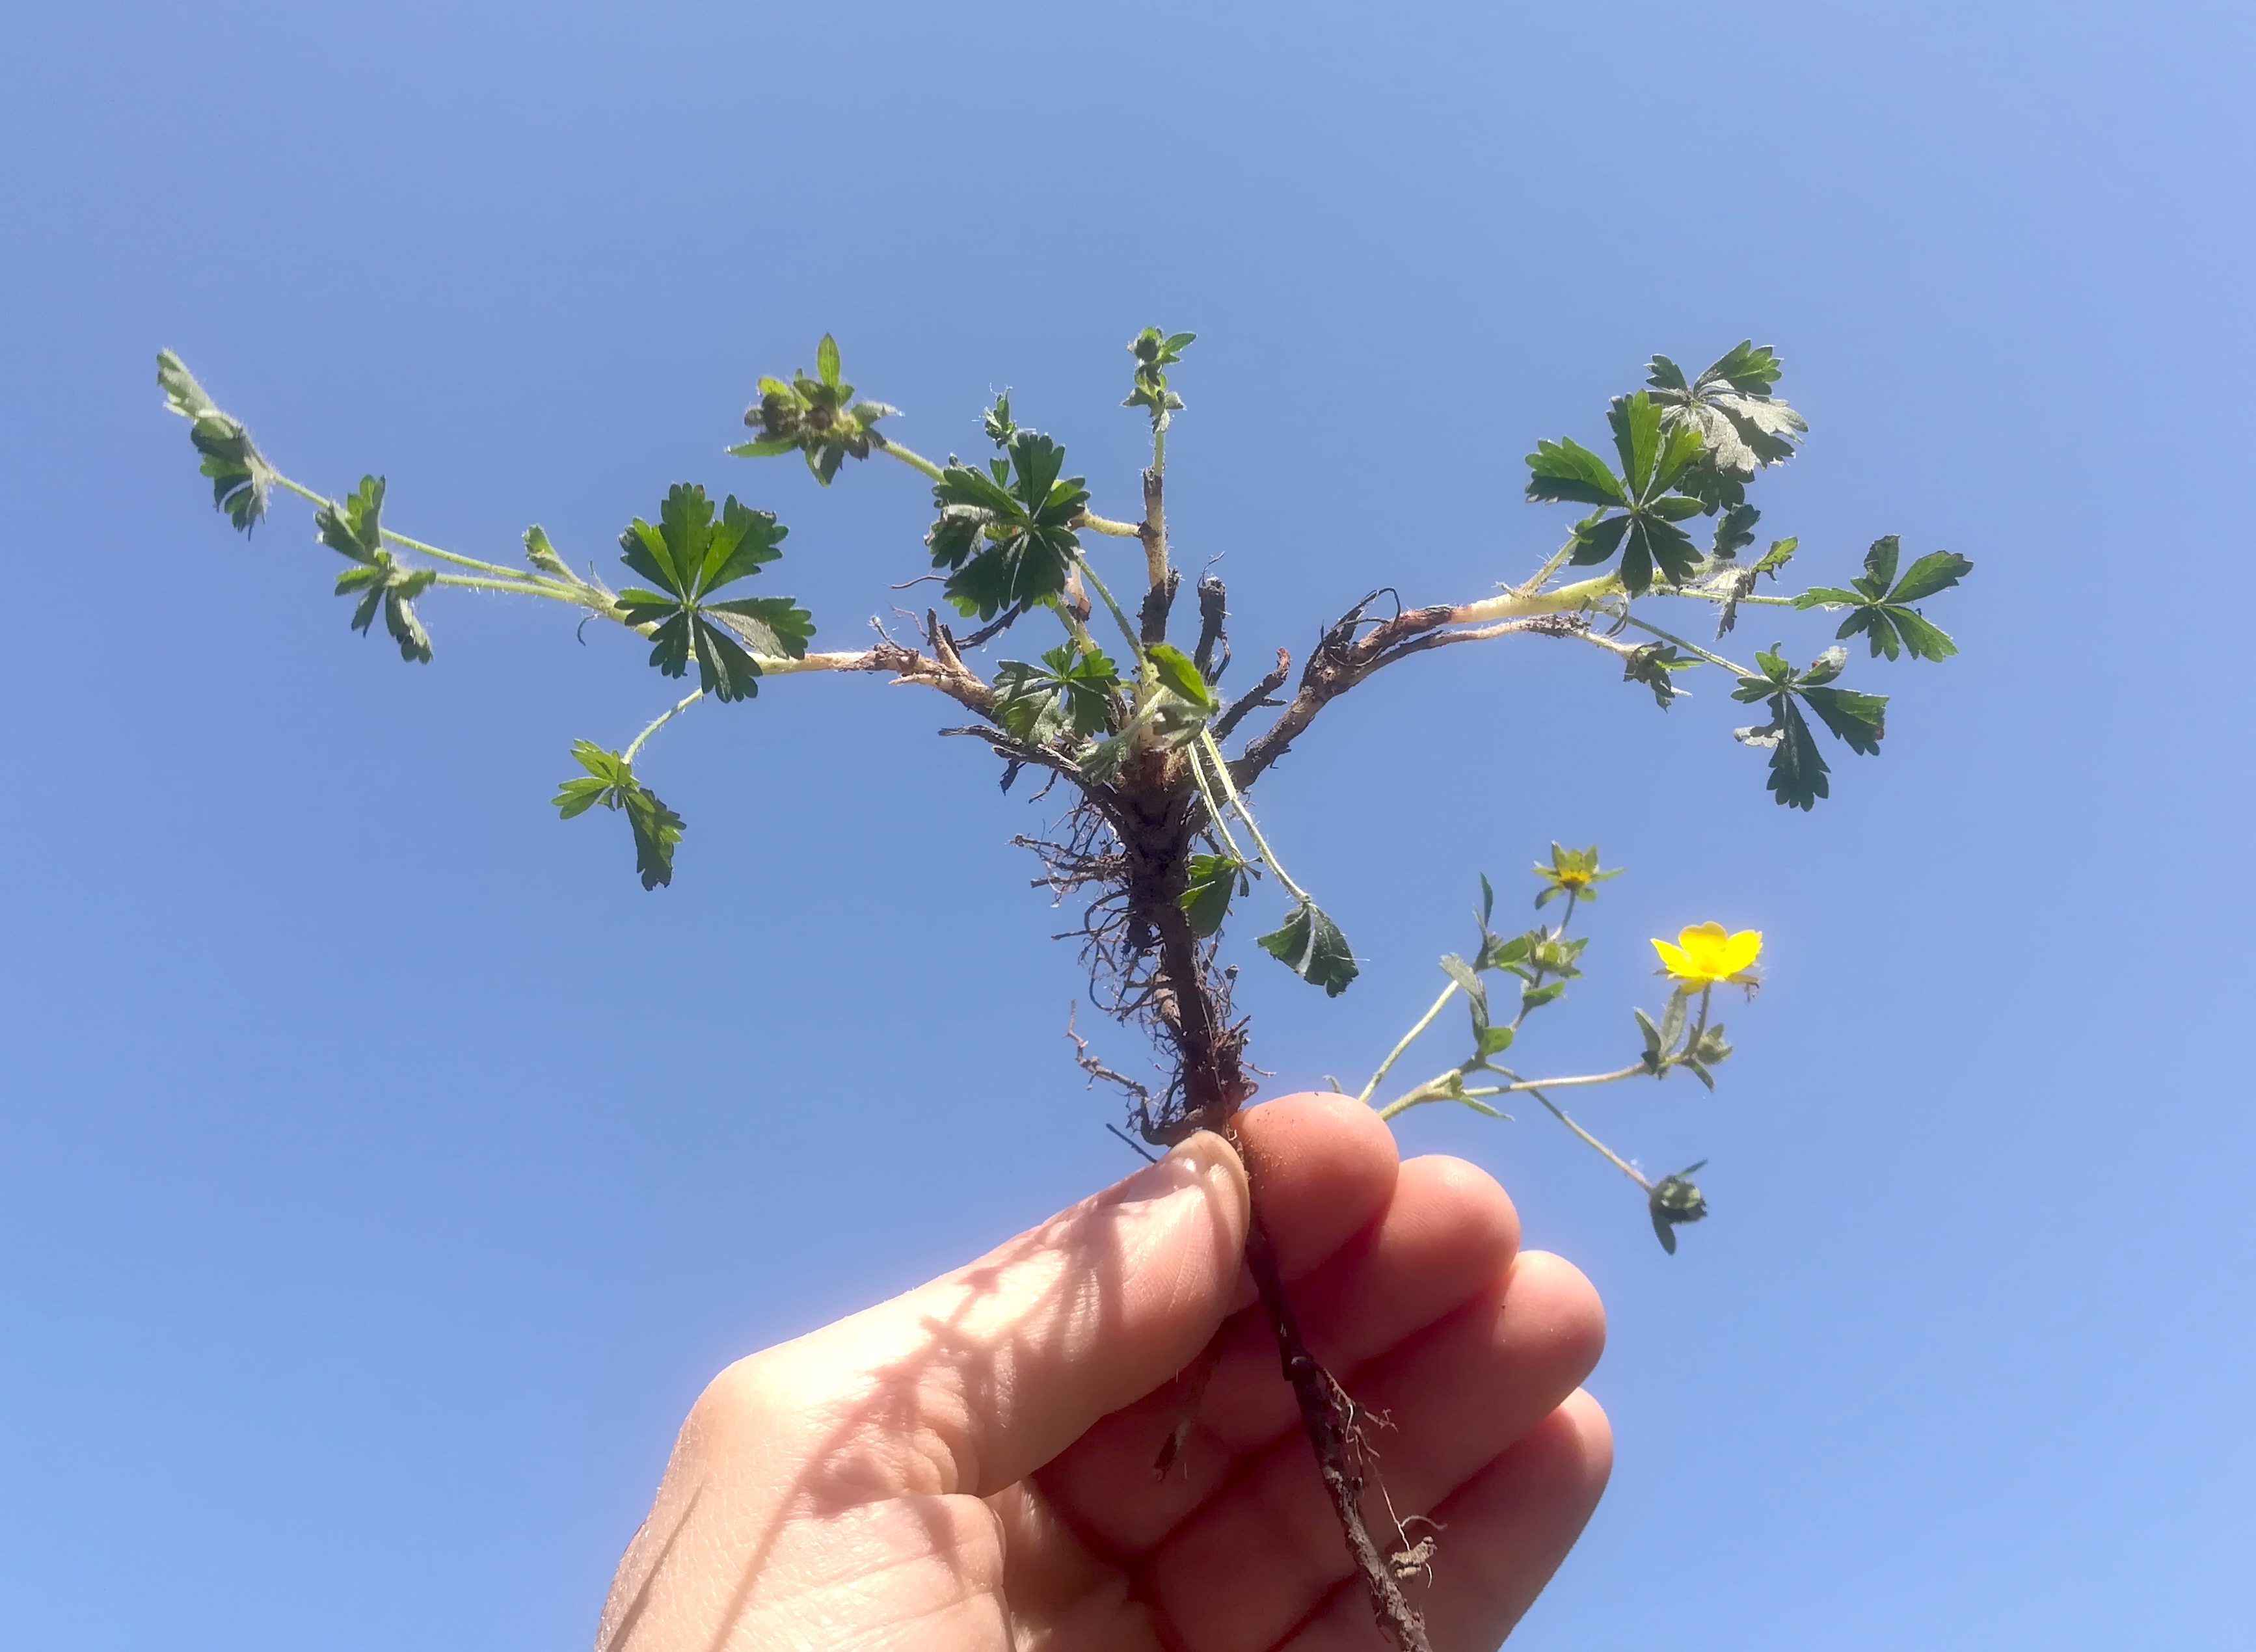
(610, 781)
(1878, 602)
(354, 530)
(1007, 531)
(690, 552)
(1067, 693)
(1742, 424)
(1638, 513)
(240, 476)
(1311, 946)
(1797, 769)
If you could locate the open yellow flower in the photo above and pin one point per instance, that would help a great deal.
(1703, 954)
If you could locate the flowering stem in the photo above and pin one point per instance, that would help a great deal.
(1408, 1038)
(1614, 1158)
(913, 460)
(1567, 916)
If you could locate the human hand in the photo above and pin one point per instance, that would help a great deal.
(968, 1467)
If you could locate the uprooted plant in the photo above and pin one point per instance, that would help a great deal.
(1157, 842)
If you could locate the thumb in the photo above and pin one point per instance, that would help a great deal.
(995, 1369)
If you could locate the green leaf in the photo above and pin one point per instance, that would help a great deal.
(1566, 471)
(1178, 674)
(690, 552)
(610, 781)
(383, 584)
(1859, 719)
(1925, 639)
(1881, 613)
(1735, 531)
(826, 359)
(1780, 552)
(1880, 565)
(240, 476)
(355, 530)
(1536, 997)
(1311, 946)
(1068, 691)
(1797, 769)
(1596, 538)
(1214, 879)
(1742, 424)
(1655, 1048)
(1008, 535)
(775, 626)
(1468, 982)
(1636, 423)
(1655, 665)
(543, 555)
(1936, 571)
(1656, 545)
(1495, 1040)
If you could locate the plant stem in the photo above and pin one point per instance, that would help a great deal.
(1230, 787)
(908, 456)
(517, 585)
(657, 722)
(1155, 514)
(1135, 645)
(1435, 1088)
(1514, 603)
(307, 494)
(1616, 1159)
(1214, 809)
(1633, 1071)
(1725, 597)
(1408, 1038)
(1096, 524)
(1567, 916)
(1689, 647)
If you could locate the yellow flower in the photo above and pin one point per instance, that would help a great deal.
(1703, 954)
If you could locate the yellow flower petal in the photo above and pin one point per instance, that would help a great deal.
(1705, 953)
(1741, 950)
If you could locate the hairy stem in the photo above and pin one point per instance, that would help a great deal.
(308, 495)
(1613, 1157)
(913, 460)
(1155, 520)
(1252, 826)
(1408, 1038)
(1690, 647)
(659, 723)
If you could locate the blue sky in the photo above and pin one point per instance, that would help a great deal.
(385, 1170)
